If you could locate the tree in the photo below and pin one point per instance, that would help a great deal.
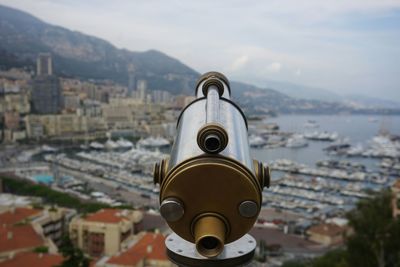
(376, 239)
(334, 258)
(375, 242)
(294, 263)
(73, 256)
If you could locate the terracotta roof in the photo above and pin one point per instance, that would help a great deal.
(106, 216)
(328, 229)
(150, 246)
(18, 237)
(17, 215)
(33, 260)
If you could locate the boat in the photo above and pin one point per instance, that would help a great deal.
(110, 144)
(296, 141)
(153, 142)
(311, 124)
(338, 148)
(47, 148)
(256, 141)
(123, 143)
(321, 136)
(355, 150)
(96, 145)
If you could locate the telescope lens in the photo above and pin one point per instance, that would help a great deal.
(212, 143)
(209, 242)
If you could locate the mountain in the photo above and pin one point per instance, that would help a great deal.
(23, 36)
(75, 54)
(313, 93)
(367, 101)
(302, 91)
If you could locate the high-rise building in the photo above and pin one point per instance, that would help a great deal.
(161, 97)
(47, 95)
(44, 65)
(131, 80)
(141, 88)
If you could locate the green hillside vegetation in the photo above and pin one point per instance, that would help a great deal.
(50, 196)
(375, 242)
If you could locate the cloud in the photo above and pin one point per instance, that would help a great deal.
(332, 44)
(274, 67)
(239, 62)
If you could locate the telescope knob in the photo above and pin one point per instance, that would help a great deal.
(160, 171)
(263, 174)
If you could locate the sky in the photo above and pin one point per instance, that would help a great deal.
(345, 46)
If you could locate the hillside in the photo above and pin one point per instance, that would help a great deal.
(75, 54)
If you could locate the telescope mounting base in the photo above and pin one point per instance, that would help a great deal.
(184, 253)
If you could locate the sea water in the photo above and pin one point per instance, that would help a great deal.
(357, 129)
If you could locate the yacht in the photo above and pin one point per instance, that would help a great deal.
(110, 144)
(321, 136)
(256, 141)
(296, 141)
(153, 142)
(96, 145)
(123, 143)
(311, 124)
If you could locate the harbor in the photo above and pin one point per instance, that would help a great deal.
(310, 182)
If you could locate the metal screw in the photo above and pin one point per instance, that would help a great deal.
(248, 209)
(171, 209)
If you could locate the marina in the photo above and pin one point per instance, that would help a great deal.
(307, 178)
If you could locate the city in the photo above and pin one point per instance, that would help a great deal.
(77, 157)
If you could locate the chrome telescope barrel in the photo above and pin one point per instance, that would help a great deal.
(217, 123)
(212, 114)
(210, 187)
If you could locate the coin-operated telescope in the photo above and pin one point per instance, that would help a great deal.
(210, 187)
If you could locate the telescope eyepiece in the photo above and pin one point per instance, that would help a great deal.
(212, 143)
(212, 138)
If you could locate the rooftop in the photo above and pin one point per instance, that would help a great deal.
(288, 242)
(16, 215)
(328, 229)
(33, 259)
(107, 216)
(270, 214)
(151, 221)
(18, 237)
(151, 246)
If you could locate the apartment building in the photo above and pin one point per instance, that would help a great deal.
(103, 232)
(149, 250)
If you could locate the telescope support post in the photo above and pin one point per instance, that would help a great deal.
(184, 253)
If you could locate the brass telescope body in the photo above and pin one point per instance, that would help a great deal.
(210, 188)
